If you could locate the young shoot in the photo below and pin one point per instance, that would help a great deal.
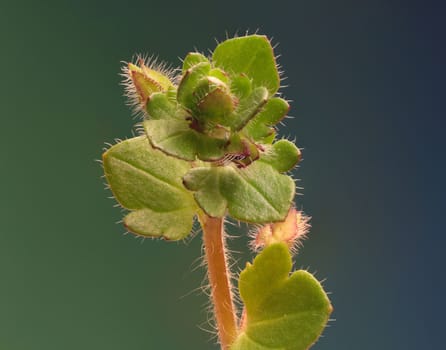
(208, 150)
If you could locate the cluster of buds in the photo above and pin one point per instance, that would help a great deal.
(217, 110)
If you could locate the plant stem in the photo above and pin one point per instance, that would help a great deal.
(219, 279)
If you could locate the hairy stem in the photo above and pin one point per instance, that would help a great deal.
(219, 279)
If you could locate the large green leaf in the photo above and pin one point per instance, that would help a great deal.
(283, 312)
(257, 193)
(149, 183)
(251, 55)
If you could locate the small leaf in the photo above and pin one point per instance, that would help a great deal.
(177, 138)
(192, 59)
(249, 107)
(283, 312)
(272, 112)
(257, 193)
(216, 106)
(190, 82)
(160, 107)
(282, 155)
(206, 181)
(148, 183)
(219, 74)
(251, 55)
(241, 86)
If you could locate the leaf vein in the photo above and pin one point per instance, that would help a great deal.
(277, 319)
(262, 195)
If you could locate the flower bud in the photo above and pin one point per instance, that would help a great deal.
(290, 231)
(143, 79)
(217, 104)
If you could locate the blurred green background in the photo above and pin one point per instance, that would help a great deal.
(367, 81)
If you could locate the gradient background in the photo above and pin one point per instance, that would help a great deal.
(368, 83)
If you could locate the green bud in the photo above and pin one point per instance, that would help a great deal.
(143, 81)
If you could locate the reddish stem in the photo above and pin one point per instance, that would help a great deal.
(219, 279)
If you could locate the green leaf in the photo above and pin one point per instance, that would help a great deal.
(241, 86)
(256, 193)
(219, 74)
(177, 138)
(251, 55)
(160, 107)
(283, 312)
(249, 107)
(171, 225)
(216, 106)
(206, 181)
(149, 183)
(192, 59)
(273, 111)
(190, 82)
(282, 155)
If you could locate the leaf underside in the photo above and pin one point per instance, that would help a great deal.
(148, 183)
(283, 312)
